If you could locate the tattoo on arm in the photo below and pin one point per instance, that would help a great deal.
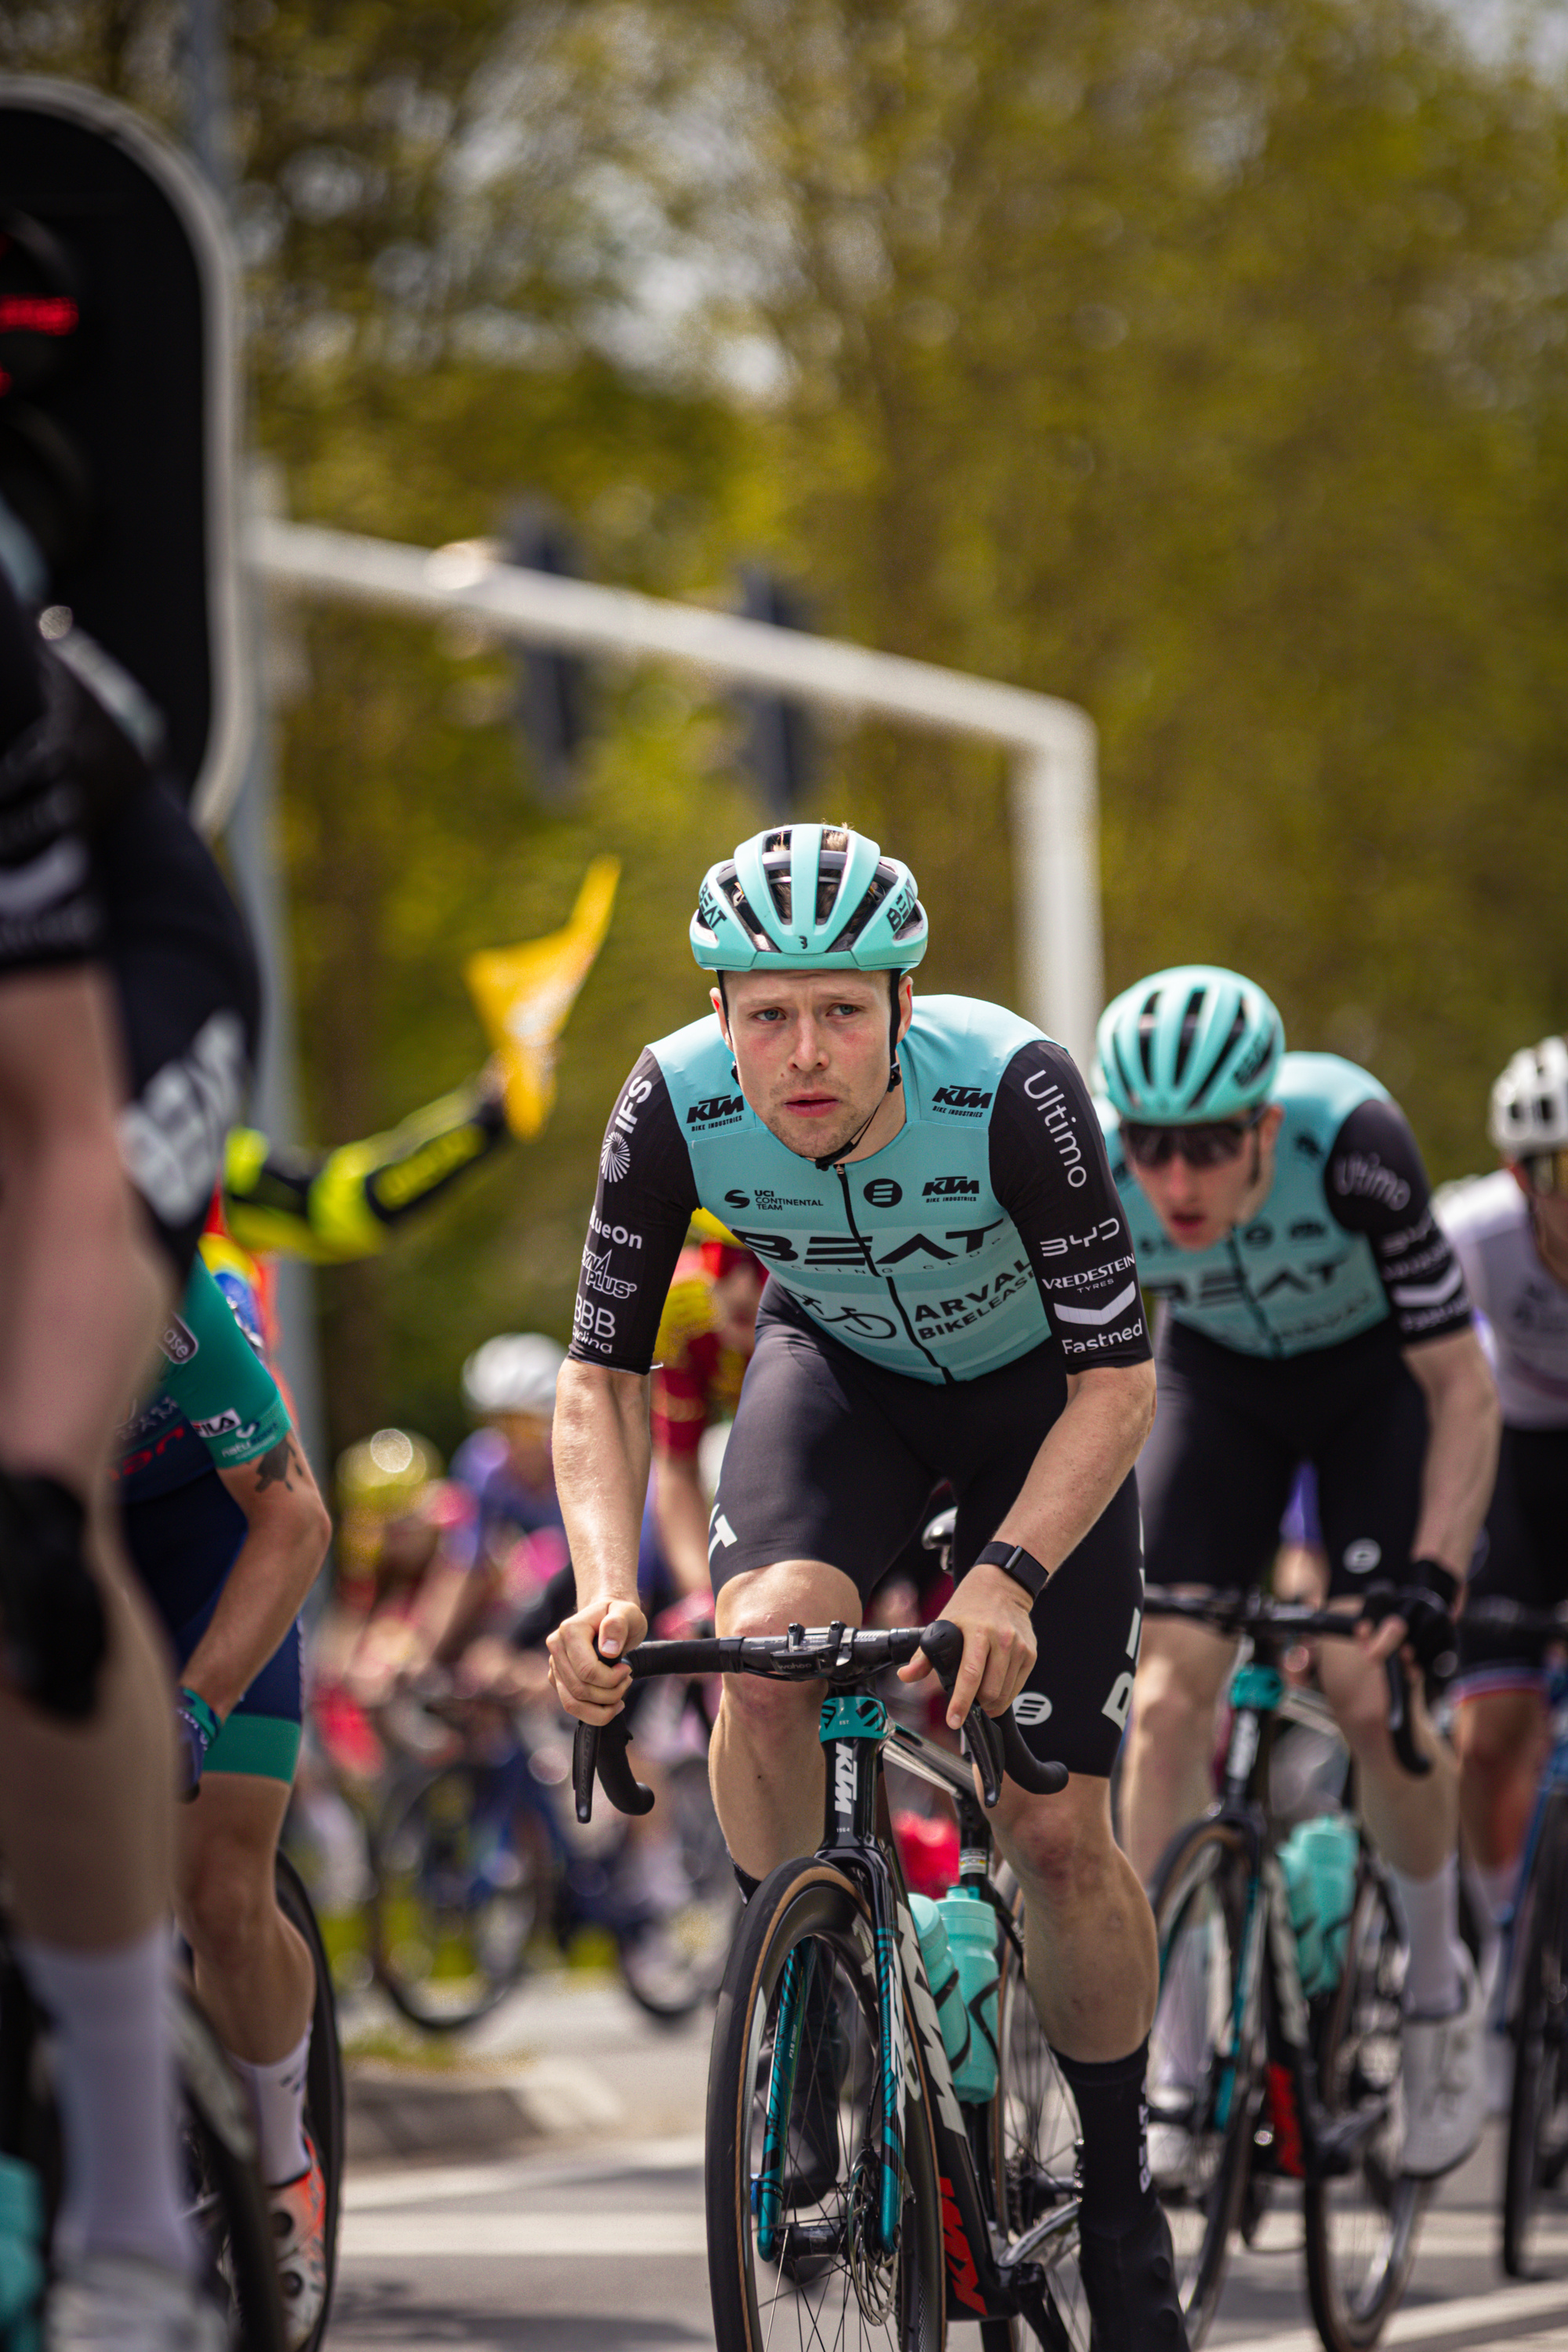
(273, 1467)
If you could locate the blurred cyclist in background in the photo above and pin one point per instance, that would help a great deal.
(707, 1336)
(1509, 1231)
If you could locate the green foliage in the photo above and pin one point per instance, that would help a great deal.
(1198, 361)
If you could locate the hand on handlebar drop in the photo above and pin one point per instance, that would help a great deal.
(999, 1648)
(587, 1653)
(1418, 1615)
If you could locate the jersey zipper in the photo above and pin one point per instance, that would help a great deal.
(914, 1337)
(1276, 1345)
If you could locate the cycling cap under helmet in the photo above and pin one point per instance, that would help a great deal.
(1529, 1101)
(1192, 1044)
(515, 1373)
(808, 898)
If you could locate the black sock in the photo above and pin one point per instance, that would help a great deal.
(1113, 2110)
(744, 1881)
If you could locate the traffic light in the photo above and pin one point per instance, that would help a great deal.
(117, 408)
(778, 746)
(551, 704)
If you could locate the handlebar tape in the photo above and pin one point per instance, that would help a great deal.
(602, 1748)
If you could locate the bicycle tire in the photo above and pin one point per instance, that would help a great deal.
(1361, 2226)
(1203, 2111)
(228, 2203)
(449, 1927)
(674, 1962)
(832, 2294)
(1538, 2111)
(324, 2112)
(1033, 2138)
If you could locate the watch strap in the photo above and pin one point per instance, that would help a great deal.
(1014, 1562)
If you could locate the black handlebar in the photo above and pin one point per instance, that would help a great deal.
(1254, 1613)
(994, 1745)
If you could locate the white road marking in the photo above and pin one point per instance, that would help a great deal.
(605, 2235)
(1415, 2326)
(367, 2192)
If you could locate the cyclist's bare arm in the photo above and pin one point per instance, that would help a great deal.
(602, 1449)
(86, 1291)
(1463, 1424)
(286, 1542)
(1086, 1453)
(681, 1513)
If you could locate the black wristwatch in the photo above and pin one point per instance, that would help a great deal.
(1014, 1562)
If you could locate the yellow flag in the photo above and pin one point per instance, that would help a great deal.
(524, 995)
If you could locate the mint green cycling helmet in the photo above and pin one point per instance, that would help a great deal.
(817, 898)
(1192, 1044)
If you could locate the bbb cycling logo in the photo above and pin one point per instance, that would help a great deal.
(714, 1107)
(963, 1098)
(948, 1187)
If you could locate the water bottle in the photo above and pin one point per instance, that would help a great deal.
(941, 1974)
(21, 2255)
(971, 1926)
(1319, 1859)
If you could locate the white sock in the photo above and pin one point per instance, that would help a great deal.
(1498, 1886)
(1431, 1909)
(277, 2096)
(115, 2067)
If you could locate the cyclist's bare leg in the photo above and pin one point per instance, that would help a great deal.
(255, 1977)
(1090, 1957)
(1167, 1764)
(1502, 1738)
(765, 1759)
(1414, 1823)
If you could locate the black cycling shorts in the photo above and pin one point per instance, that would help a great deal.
(835, 1458)
(186, 975)
(1229, 1432)
(1524, 1558)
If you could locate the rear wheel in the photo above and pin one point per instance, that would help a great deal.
(325, 2074)
(1362, 2225)
(1538, 2117)
(1205, 2070)
(808, 2268)
(1034, 2147)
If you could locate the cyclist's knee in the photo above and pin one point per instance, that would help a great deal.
(1060, 1844)
(1497, 1736)
(793, 1592)
(1173, 1705)
(226, 1902)
(770, 1715)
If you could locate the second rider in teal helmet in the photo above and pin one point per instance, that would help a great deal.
(1313, 1311)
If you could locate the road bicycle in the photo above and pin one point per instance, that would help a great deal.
(865, 2183)
(1275, 2055)
(224, 2199)
(1533, 1978)
(474, 1855)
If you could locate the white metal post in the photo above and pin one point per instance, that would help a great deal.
(1056, 848)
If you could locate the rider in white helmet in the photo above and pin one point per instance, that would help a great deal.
(1509, 1231)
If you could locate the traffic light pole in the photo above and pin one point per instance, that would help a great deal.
(1056, 850)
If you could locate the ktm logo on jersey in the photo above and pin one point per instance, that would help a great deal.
(944, 1187)
(961, 1097)
(703, 1114)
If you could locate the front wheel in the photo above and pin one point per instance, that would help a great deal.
(464, 1875)
(795, 2254)
(1204, 2070)
(1362, 2222)
(1538, 2115)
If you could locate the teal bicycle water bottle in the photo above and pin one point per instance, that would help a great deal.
(21, 2255)
(941, 1974)
(971, 1926)
(1319, 1859)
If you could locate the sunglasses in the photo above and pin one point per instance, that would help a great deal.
(1209, 1143)
(1547, 1173)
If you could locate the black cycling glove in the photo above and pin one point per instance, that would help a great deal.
(1426, 1601)
(196, 1729)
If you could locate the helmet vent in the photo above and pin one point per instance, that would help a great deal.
(1233, 1038)
(1188, 1037)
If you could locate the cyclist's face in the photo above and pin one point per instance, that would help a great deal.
(811, 1050)
(1198, 1206)
(1550, 1210)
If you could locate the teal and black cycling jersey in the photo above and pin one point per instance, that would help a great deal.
(217, 1404)
(988, 1228)
(1345, 1241)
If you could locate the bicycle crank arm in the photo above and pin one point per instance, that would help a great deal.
(1036, 2241)
(1339, 2142)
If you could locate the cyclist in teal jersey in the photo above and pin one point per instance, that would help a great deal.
(226, 1533)
(1313, 1311)
(951, 1295)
